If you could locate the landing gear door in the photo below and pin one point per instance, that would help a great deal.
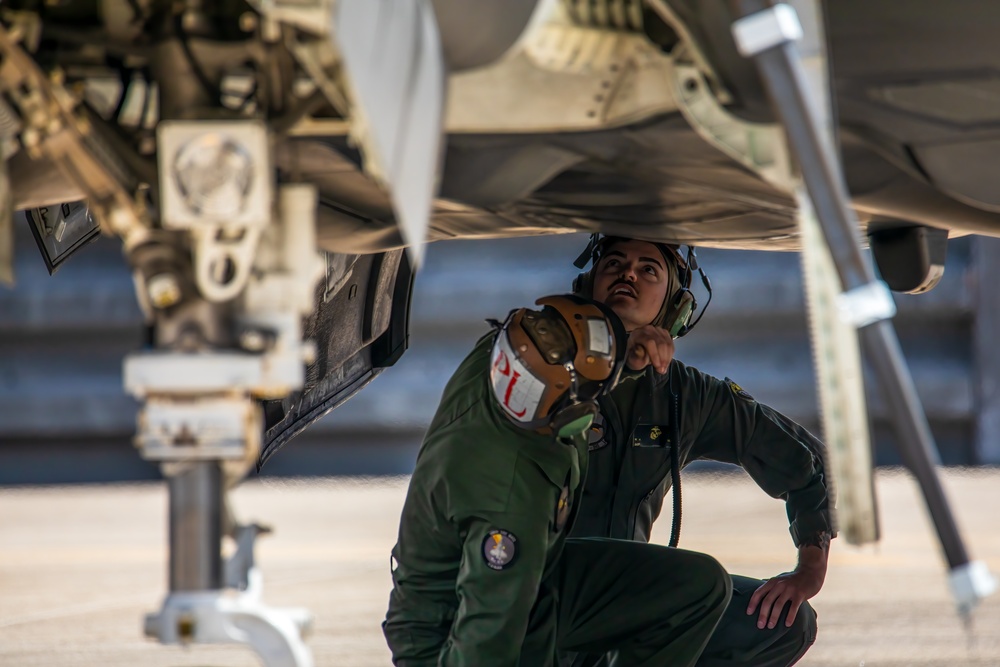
(360, 327)
(61, 230)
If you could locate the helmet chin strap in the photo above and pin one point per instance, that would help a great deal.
(582, 422)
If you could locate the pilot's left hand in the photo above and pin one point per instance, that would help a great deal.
(794, 587)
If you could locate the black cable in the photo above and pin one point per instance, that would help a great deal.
(138, 16)
(708, 288)
(675, 471)
(211, 89)
(125, 75)
(147, 100)
(693, 265)
(303, 108)
(675, 443)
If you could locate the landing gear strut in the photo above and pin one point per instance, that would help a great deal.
(202, 418)
(768, 36)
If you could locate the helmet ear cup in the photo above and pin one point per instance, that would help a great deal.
(679, 313)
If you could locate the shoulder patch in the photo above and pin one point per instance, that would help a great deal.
(597, 434)
(738, 390)
(499, 549)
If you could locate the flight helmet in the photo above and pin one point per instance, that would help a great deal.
(550, 366)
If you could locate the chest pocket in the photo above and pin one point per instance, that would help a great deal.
(651, 435)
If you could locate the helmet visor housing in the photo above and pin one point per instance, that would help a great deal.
(550, 365)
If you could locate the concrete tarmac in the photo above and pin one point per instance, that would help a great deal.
(80, 566)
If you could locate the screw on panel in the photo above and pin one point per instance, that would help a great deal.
(253, 340)
(185, 627)
(163, 290)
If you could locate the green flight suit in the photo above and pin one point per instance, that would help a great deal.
(630, 474)
(482, 571)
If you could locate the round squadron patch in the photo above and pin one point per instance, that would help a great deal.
(597, 434)
(499, 549)
(739, 391)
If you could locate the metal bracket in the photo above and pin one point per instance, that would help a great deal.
(239, 566)
(321, 63)
(766, 29)
(53, 127)
(215, 617)
(205, 429)
(311, 16)
(194, 375)
(866, 305)
(689, 45)
(760, 147)
(216, 183)
(970, 583)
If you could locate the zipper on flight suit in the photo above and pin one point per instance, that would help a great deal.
(668, 467)
(633, 514)
(654, 418)
(613, 422)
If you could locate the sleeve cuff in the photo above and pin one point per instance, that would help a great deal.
(806, 529)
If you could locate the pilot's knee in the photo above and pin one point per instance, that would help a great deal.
(718, 582)
(805, 624)
(800, 637)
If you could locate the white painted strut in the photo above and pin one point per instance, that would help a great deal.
(216, 617)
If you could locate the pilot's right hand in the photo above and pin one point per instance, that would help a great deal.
(649, 345)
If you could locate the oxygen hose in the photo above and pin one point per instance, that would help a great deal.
(675, 470)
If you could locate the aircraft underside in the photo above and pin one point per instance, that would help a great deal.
(274, 169)
(917, 133)
(656, 179)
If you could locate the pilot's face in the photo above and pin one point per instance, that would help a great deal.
(631, 278)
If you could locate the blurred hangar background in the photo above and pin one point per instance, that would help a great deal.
(65, 418)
